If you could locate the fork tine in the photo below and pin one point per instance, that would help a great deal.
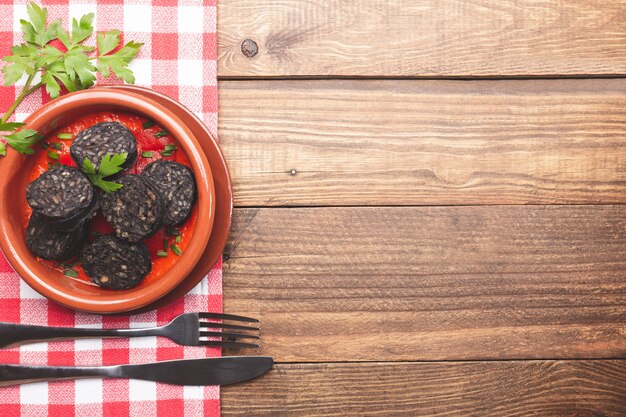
(218, 316)
(218, 343)
(213, 325)
(226, 334)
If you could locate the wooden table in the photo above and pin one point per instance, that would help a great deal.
(429, 200)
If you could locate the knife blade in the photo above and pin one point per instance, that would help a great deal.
(211, 371)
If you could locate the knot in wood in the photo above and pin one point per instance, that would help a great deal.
(249, 48)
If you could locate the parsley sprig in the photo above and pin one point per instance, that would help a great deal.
(43, 65)
(109, 165)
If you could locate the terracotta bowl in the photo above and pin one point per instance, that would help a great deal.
(14, 174)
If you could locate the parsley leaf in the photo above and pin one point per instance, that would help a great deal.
(117, 66)
(48, 55)
(107, 41)
(67, 82)
(23, 140)
(20, 62)
(57, 69)
(109, 165)
(78, 68)
(74, 67)
(36, 31)
(52, 85)
(64, 37)
(10, 126)
(28, 32)
(128, 51)
(88, 167)
(107, 186)
(13, 72)
(37, 16)
(112, 164)
(118, 61)
(83, 29)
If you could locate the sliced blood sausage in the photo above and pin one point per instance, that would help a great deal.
(115, 263)
(177, 185)
(135, 211)
(48, 243)
(64, 197)
(101, 139)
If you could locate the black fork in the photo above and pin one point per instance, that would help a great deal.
(189, 329)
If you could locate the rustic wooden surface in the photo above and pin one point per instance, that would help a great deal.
(445, 246)
(431, 283)
(417, 142)
(435, 38)
(486, 389)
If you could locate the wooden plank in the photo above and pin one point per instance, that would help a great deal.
(431, 283)
(422, 38)
(425, 142)
(491, 389)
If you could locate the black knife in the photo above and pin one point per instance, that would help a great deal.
(211, 371)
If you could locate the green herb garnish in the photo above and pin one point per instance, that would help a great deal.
(178, 239)
(53, 155)
(75, 69)
(161, 134)
(44, 145)
(22, 140)
(161, 254)
(147, 154)
(65, 136)
(109, 165)
(165, 244)
(57, 146)
(176, 250)
(169, 149)
(70, 273)
(148, 124)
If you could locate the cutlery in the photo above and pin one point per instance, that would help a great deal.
(190, 329)
(212, 371)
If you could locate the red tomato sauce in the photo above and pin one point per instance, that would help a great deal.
(146, 142)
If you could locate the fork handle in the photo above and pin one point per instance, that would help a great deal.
(19, 374)
(16, 334)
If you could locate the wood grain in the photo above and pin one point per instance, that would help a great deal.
(486, 389)
(422, 38)
(425, 142)
(431, 283)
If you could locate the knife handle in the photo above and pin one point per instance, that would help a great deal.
(21, 374)
(15, 334)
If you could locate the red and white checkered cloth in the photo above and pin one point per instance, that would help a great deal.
(179, 59)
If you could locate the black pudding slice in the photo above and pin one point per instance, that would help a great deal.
(63, 196)
(135, 211)
(51, 244)
(177, 185)
(114, 263)
(101, 139)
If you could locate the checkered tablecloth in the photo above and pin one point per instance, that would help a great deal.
(179, 59)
